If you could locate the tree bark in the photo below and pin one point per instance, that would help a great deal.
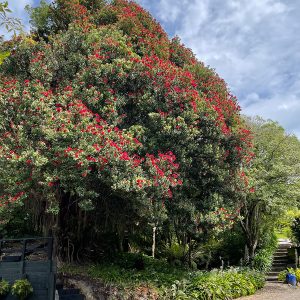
(250, 226)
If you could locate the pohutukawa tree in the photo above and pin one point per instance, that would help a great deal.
(107, 126)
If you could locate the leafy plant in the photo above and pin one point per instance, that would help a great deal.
(282, 274)
(22, 288)
(3, 55)
(4, 287)
(229, 284)
(263, 260)
(11, 24)
(176, 252)
(175, 283)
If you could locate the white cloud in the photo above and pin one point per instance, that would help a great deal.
(252, 44)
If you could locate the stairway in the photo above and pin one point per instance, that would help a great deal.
(67, 293)
(280, 260)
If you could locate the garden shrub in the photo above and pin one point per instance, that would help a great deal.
(4, 287)
(282, 274)
(176, 252)
(263, 258)
(219, 285)
(22, 289)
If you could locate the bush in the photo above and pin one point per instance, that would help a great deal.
(130, 261)
(22, 288)
(219, 285)
(4, 287)
(176, 252)
(263, 259)
(282, 274)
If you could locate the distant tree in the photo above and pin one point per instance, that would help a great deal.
(273, 179)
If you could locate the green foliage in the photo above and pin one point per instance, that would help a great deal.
(296, 229)
(284, 224)
(229, 246)
(16, 222)
(4, 287)
(22, 289)
(10, 24)
(125, 272)
(219, 285)
(263, 258)
(39, 18)
(3, 55)
(272, 179)
(176, 251)
(106, 16)
(282, 274)
(174, 283)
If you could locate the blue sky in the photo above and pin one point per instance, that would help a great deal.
(253, 44)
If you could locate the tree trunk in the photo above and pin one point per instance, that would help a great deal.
(252, 248)
(251, 228)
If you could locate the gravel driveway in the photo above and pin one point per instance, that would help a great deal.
(275, 291)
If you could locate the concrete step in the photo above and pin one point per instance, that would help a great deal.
(277, 269)
(280, 260)
(285, 250)
(275, 258)
(69, 291)
(280, 257)
(273, 273)
(283, 246)
(272, 278)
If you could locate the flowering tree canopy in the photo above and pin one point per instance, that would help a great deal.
(97, 103)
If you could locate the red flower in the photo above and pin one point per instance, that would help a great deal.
(124, 156)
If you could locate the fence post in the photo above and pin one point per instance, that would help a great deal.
(23, 256)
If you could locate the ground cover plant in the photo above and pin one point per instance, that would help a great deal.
(170, 282)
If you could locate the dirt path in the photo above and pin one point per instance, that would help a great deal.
(275, 291)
